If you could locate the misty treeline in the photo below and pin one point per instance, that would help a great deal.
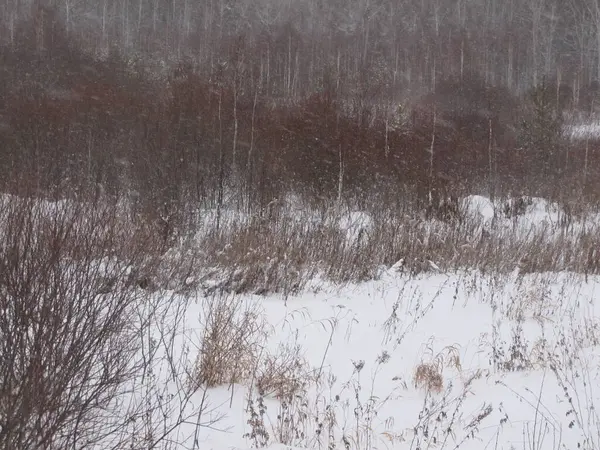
(384, 46)
(177, 102)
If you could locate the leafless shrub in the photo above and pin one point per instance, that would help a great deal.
(162, 398)
(283, 374)
(81, 343)
(68, 345)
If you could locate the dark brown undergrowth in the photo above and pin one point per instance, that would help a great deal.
(114, 127)
(172, 146)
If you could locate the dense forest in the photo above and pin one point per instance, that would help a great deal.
(172, 102)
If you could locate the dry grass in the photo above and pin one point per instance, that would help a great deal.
(429, 377)
(283, 254)
(284, 373)
(233, 335)
(429, 374)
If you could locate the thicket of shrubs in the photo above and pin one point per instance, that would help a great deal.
(73, 122)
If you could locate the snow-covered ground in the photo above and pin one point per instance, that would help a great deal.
(465, 359)
(439, 360)
(461, 360)
(442, 360)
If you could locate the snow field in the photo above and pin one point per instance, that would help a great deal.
(512, 358)
(517, 358)
(435, 358)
